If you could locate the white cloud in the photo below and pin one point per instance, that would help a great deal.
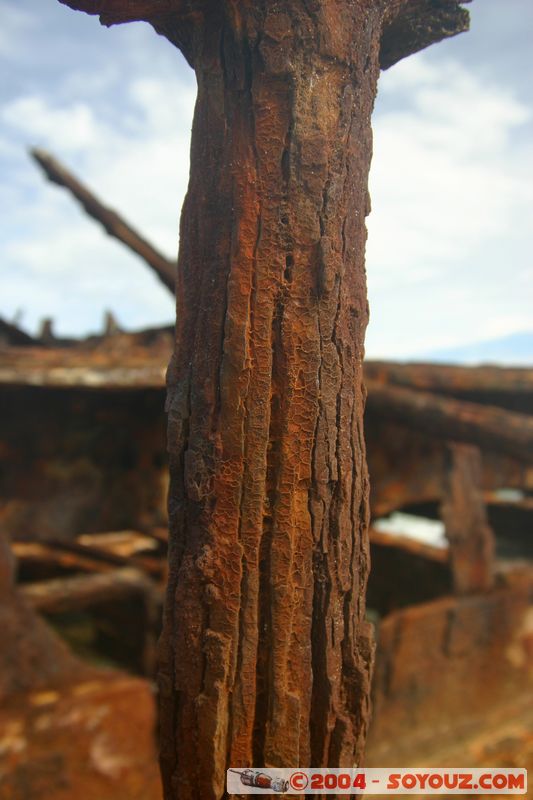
(16, 22)
(450, 192)
(68, 128)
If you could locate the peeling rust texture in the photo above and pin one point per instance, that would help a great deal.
(265, 655)
(264, 626)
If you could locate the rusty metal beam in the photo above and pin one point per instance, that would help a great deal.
(487, 426)
(113, 223)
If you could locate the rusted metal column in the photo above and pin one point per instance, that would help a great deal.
(264, 626)
(265, 655)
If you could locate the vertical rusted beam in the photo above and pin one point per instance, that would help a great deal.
(465, 518)
(266, 655)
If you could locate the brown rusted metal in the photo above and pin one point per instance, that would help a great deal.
(65, 726)
(490, 427)
(268, 498)
(404, 573)
(453, 678)
(407, 25)
(37, 557)
(99, 461)
(508, 387)
(12, 335)
(412, 25)
(83, 591)
(107, 555)
(467, 529)
(84, 404)
(407, 466)
(266, 654)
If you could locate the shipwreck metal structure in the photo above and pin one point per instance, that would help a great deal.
(265, 625)
(86, 514)
(265, 616)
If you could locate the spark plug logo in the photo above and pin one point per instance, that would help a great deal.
(261, 780)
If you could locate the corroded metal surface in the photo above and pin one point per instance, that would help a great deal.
(80, 461)
(91, 739)
(266, 654)
(446, 668)
(264, 625)
(65, 727)
(122, 360)
(87, 458)
(465, 518)
(408, 467)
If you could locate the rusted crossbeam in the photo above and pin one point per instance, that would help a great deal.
(452, 379)
(82, 591)
(488, 427)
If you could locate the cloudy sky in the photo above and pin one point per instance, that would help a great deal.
(450, 235)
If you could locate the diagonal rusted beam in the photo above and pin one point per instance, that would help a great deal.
(113, 223)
